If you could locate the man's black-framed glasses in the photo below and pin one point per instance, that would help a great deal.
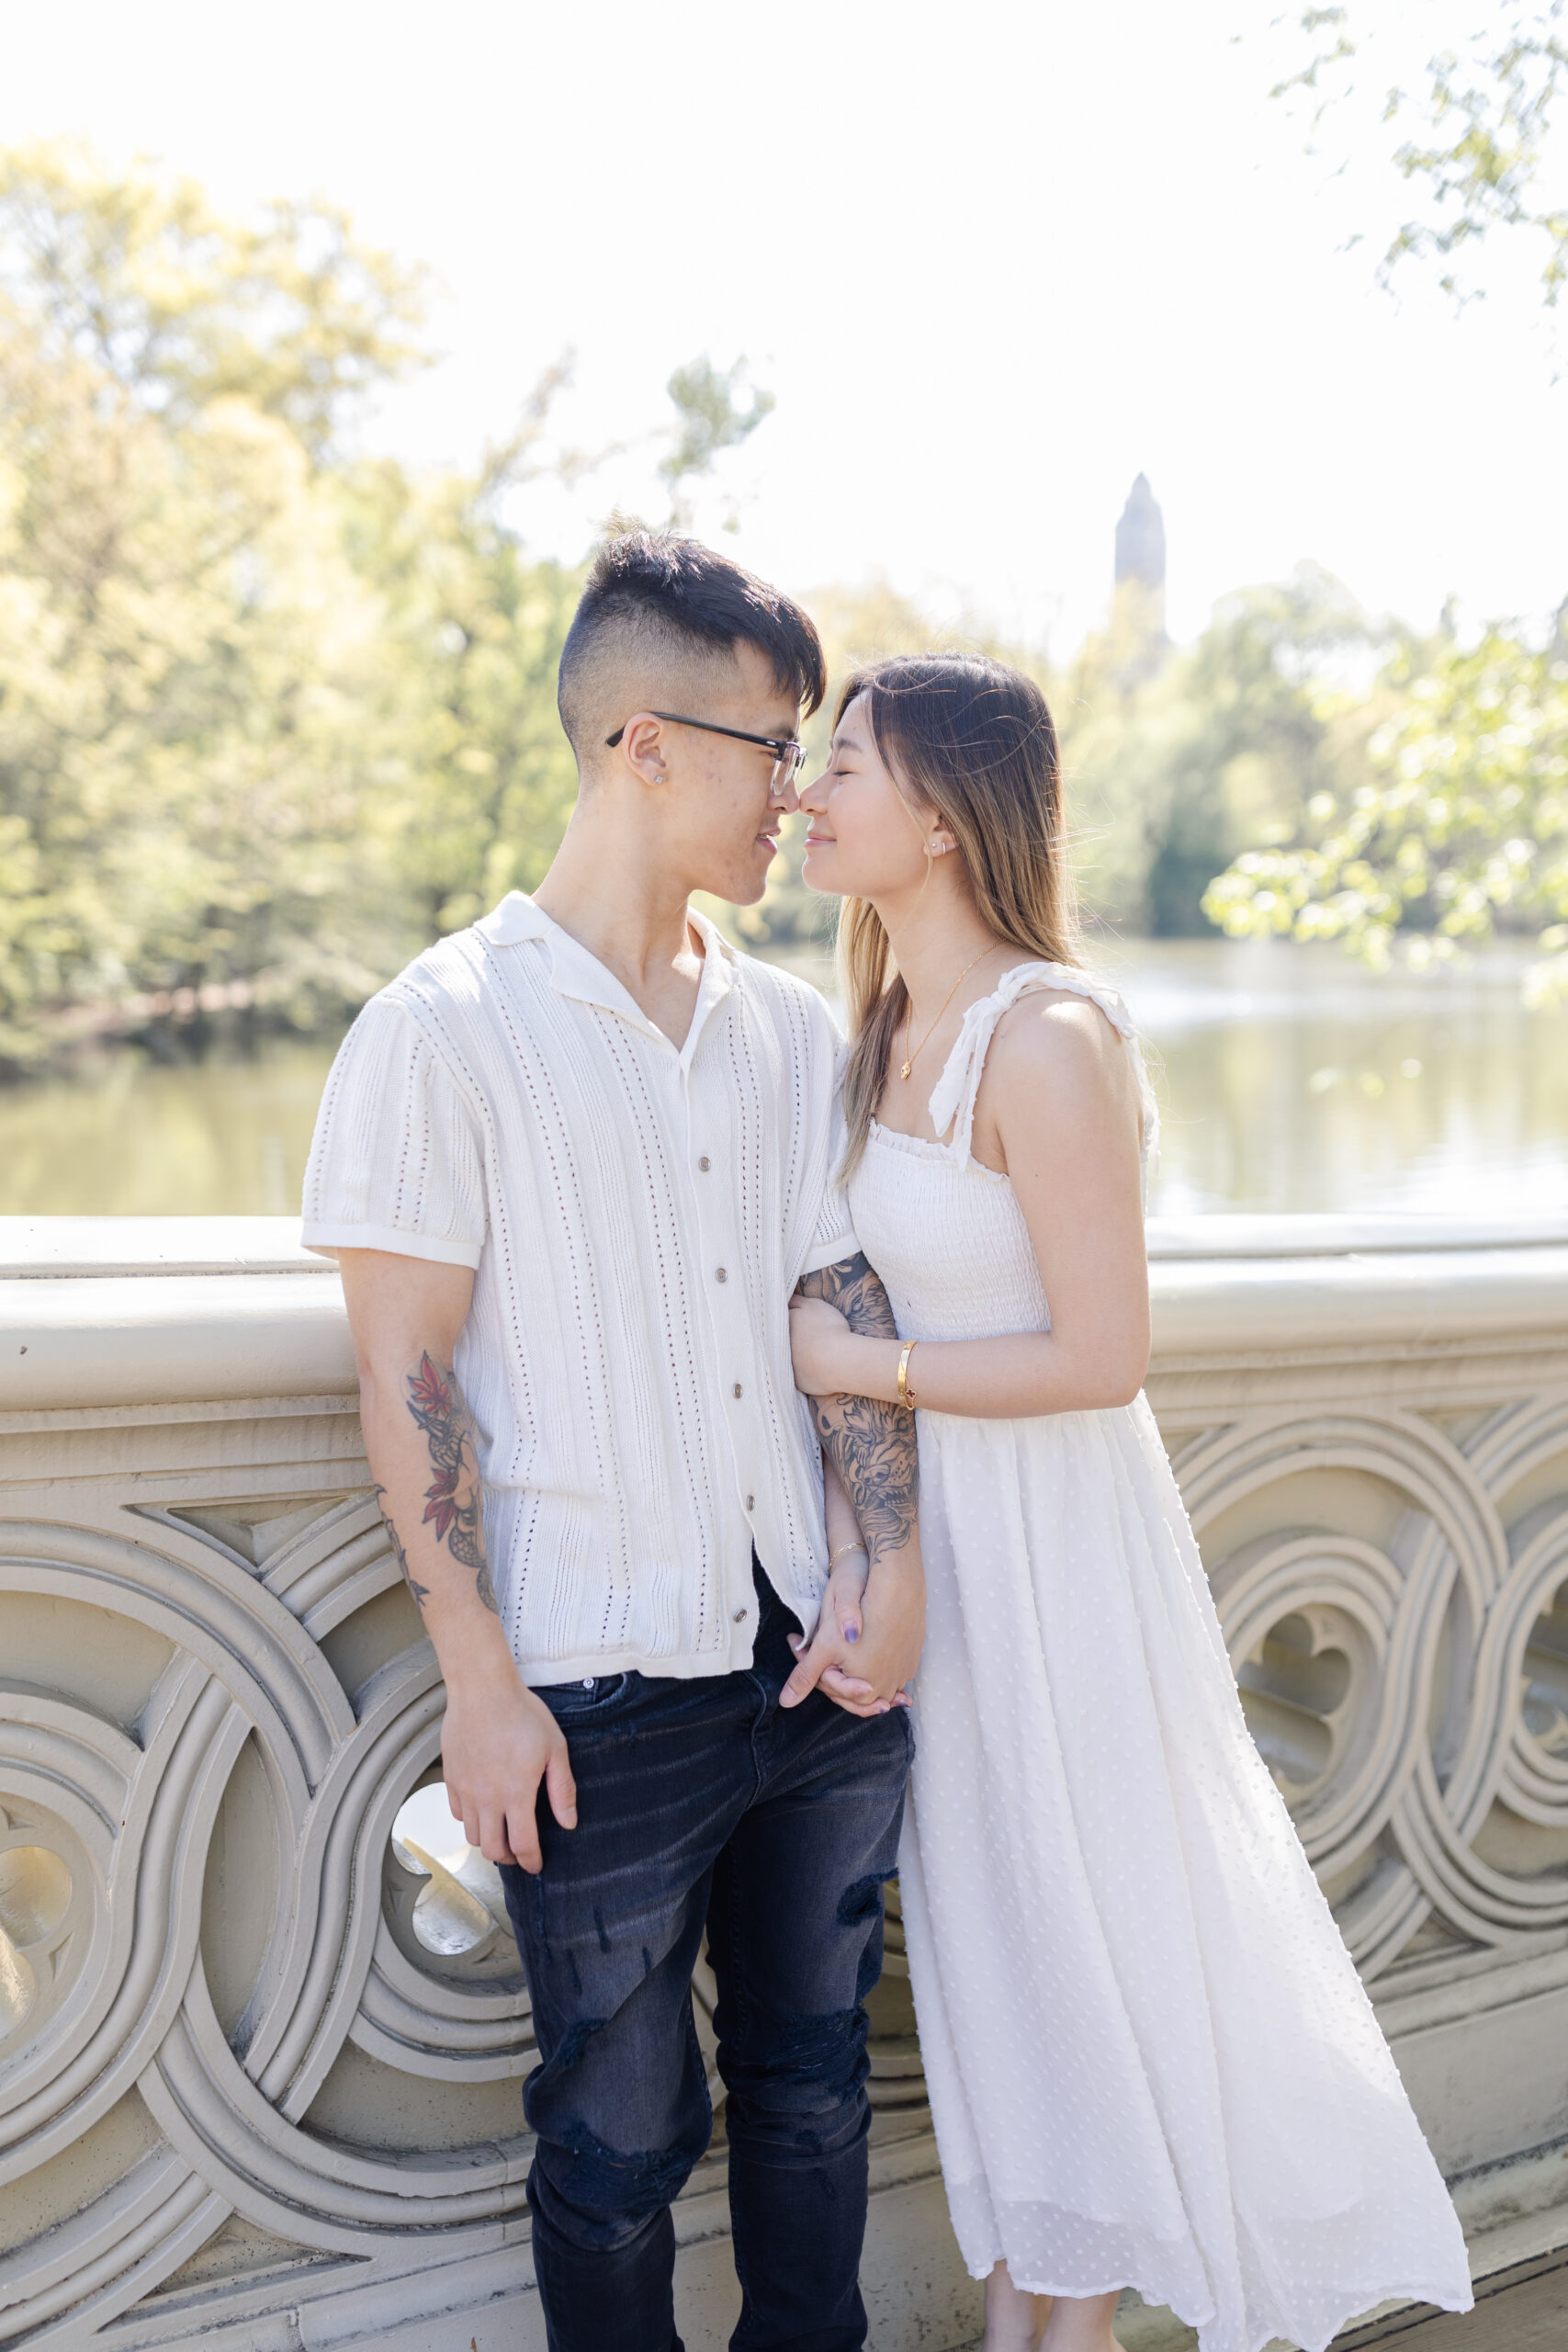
(789, 755)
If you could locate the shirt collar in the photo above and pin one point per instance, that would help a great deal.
(576, 973)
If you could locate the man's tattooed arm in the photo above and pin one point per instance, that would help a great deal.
(420, 1591)
(871, 1445)
(454, 1499)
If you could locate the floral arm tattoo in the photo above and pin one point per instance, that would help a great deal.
(871, 1445)
(420, 1591)
(454, 1499)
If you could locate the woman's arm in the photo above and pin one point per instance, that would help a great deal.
(1060, 1101)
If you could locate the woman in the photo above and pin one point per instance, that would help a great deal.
(1151, 2061)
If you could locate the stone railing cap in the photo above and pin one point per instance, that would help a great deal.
(1370, 1233)
(154, 1245)
(37, 1245)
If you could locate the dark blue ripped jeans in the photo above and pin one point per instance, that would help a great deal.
(706, 1804)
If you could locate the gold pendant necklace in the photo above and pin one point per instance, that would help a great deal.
(910, 1058)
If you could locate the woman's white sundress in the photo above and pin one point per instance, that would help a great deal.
(1151, 2061)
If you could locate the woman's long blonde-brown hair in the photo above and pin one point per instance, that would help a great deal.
(974, 742)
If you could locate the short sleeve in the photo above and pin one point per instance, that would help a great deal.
(833, 1235)
(395, 1163)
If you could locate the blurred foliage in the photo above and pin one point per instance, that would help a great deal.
(1479, 122)
(1459, 828)
(270, 716)
(711, 420)
(142, 283)
(273, 714)
(1174, 766)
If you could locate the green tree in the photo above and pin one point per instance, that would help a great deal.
(137, 278)
(1460, 829)
(1173, 767)
(476, 780)
(709, 420)
(272, 714)
(183, 653)
(187, 653)
(1476, 131)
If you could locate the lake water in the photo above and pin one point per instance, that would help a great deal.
(1289, 1079)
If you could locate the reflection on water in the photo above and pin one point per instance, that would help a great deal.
(128, 1138)
(1288, 1077)
(1292, 1078)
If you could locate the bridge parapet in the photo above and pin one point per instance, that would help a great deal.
(259, 2062)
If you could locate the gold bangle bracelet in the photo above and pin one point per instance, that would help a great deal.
(906, 1394)
(842, 1553)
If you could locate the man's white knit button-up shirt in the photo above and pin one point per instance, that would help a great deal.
(638, 1215)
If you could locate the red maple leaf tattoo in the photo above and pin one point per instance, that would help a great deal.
(441, 1503)
(452, 1502)
(428, 1392)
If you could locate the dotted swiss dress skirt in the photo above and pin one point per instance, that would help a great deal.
(1151, 2061)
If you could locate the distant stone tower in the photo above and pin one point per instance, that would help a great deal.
(1140, 543)
(1140, 581)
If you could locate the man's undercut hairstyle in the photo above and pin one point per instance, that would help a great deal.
(659, 605)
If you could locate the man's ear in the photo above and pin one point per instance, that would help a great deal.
(642, 747)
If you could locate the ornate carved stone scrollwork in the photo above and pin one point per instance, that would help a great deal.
(115, 1996)
(105, 1848)
(1406, 1672)
(239, 2064)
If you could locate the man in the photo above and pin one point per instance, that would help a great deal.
(573, 1163)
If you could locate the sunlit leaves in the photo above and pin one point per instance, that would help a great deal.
(1473, 132)
(1461, 829)
(136, 275)
(269, 718)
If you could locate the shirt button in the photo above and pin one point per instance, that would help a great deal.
(738, 1389)
(751, 1503)
(741, 1616)
(721, 1276)
(703, 1165)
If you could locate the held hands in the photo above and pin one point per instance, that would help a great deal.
(861, 1656)
(496, 1744)
(822, 1345)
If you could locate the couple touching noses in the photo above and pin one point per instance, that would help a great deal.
(755, 1574)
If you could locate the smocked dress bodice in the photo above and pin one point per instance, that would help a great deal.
(945, 1232)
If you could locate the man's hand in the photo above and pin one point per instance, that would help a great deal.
(496, 1744)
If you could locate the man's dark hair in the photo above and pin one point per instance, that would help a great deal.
(657, 598)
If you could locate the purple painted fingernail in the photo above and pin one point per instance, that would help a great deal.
(852, 1632)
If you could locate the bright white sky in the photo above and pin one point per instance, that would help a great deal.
(993, 260)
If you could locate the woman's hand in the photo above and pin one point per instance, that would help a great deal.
(818, 1337)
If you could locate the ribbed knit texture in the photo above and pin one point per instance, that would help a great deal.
(638, 1217)
(1150, 2058)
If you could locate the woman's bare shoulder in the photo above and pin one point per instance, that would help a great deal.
(1057, 1033)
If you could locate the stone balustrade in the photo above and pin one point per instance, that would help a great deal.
(259, 2055)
